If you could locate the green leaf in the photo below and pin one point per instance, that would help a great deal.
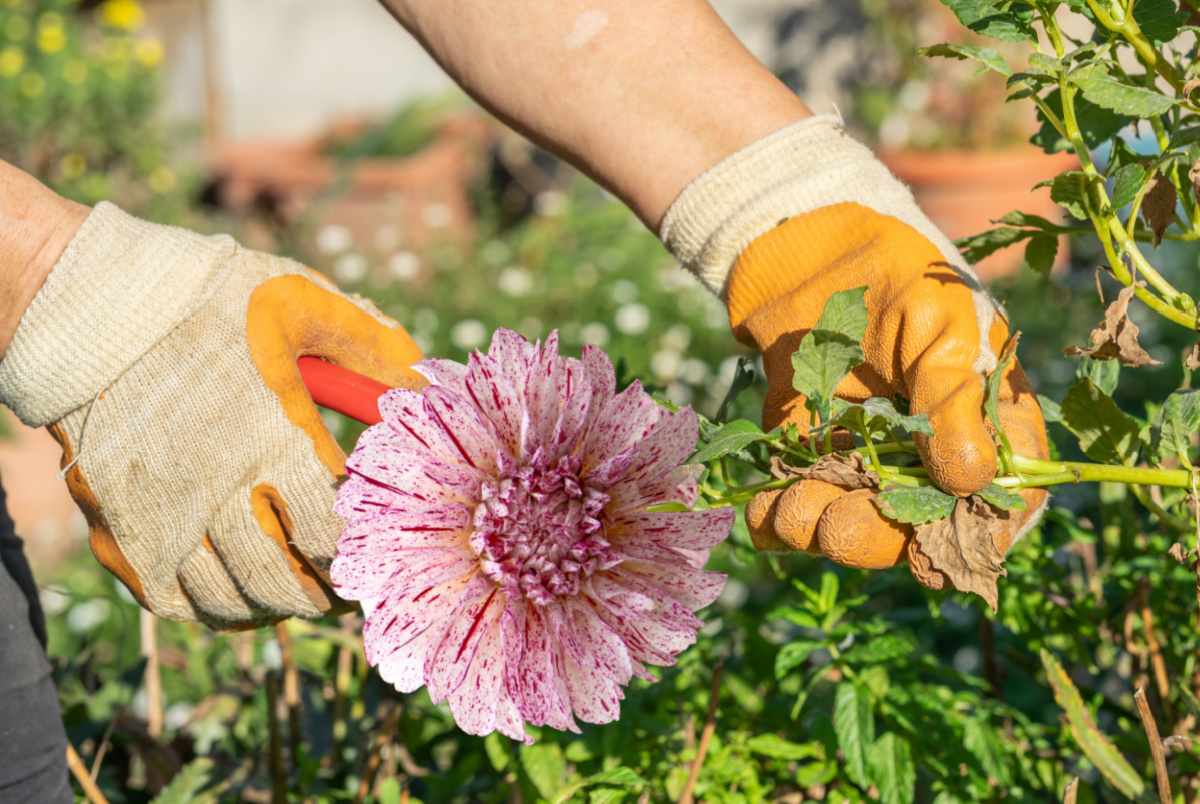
(1002, 498)
(389, 791)
(1068, 190)
(543, 763)
(1159, 20)
(831, 349)
(984, 244)
(617, 777)
(991, 386)
(915, 505)
(880, 415)
(794, 654)
(187, 785)
(1096, 746)
(1041, 253)
(1127, 180)
(1105, 432)
(1109, 92)
(1177, 420)
(986, 56)
(1096, 124)
(982, 740)
(1051, 410)
(497, 751)
(854, 725)
(882, 648)
(890, 767)
(994, 19)
(770, 745)
(729, 438)
(1104, 373)
(743, 378)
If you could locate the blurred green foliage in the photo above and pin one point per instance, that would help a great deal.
(78, 95)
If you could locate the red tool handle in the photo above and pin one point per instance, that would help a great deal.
(342, 390)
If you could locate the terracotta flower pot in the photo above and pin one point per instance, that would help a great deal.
(964, 191)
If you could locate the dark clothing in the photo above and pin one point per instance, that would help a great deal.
(33, 765)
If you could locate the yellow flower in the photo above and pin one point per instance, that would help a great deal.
(32, 85)
(125, 15)
(12, 61)
(75, 72)
(72, 166)
(51, 38)
(162, 179)
(149, 52)
(16, 29)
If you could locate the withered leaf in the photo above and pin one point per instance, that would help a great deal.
(963, 549)
(848, 471)
(1179, 553)
(922, 568)
(1116, 336)
(1158, 207)
(1191, 358)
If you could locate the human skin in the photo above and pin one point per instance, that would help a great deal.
(641, 96)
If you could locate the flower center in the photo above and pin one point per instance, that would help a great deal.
(538, 530)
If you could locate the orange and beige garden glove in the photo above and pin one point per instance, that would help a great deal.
(164, 363)
(778, 227)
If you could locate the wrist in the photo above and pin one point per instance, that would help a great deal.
(36, 225)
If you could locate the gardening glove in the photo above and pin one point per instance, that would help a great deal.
(780, 226)
(164, 363)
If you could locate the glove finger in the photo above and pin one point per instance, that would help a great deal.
(852, 532)
(760, 520)
(259, 565)
(217, 600)
(799, 509)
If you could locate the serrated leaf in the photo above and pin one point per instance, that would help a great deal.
(1041, 252)
(890, 767)
(187, 785)
(977, 247)
(1116, 337)
(962, 550)
(617, 777)
(986, 56)
(1002, 498)
(1159, 20)
(1105, 432)
(1096, 124)
(1068, 190)
(983, 742)
(1126, 182)
(992, 19)
(854, 725)
(794, 654)
(831, 349)
(771, 745)
(1178, 419)
(1041, 64)
(1096, 746)
(1109, 92)
(729, 438)
(880, 414)
(1104, 373)
(915, 505)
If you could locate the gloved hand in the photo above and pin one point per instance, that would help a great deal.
(164, 363)
(779, 227)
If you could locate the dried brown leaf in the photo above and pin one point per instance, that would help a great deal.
(922, 568)
(848, 471)
(1158, 207)
(1179, 553)
(1116, 336)
(1191, 358)
(963, 548)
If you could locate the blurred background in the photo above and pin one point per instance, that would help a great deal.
(320, 130)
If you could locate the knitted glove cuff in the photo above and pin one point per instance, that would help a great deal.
(808, 165)
(120, 286)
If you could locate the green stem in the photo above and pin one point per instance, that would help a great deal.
(1037, 472)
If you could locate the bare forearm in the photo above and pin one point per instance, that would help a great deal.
(644, 96)
(35, 226)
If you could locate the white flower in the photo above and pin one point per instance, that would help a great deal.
(404, 265)
(350, 268)
(178, 715)
(495, 252)
(86, 616)
(677, 337)
(550, 203)
(426, 321)
(594, 333)
(387, 237)
(623, 291)
(679, 393)
(632, 319)
(54, 602)
(468, 334)
(665, 364)
(333, 238)
(515, 281)
(436, 216)
(694, 371)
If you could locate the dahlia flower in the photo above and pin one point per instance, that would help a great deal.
(498, 540)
